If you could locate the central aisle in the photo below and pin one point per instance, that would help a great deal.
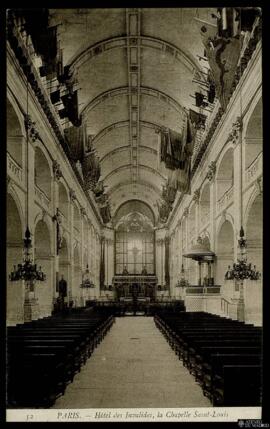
(133, 367)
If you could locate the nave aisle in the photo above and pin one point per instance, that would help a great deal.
(133, 367)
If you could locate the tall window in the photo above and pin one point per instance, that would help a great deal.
(135, 245)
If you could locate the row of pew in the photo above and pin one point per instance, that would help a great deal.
(44, 355)
(224, 355)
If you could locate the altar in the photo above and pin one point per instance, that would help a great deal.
(140, 286)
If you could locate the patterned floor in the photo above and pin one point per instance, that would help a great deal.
(133, 367)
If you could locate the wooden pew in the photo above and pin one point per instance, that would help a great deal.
(241, 386)
(45, 354)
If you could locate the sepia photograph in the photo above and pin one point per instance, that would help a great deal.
(134, 214)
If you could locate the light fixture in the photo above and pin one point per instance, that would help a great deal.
(182, 282)
(87, 283)
(242, 270)
(27, 271)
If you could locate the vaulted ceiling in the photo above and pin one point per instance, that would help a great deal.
(135, 70)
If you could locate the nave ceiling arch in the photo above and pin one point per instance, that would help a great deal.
(134, 70)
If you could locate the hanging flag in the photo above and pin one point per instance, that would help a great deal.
(228, 22)
(55, 96)
(164, 211)
(105, 213)
(62, 113)
(223, 54)
(70, 101)
(75, 139)
(199, 99)
(90, 170)
(247, 16)
(180, 179)
(197, 119)
(171, 149)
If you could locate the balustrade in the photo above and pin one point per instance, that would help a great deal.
(225, 200)
(42, 197)
(14, 169)
(254, 170)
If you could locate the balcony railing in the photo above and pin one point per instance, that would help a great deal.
(42, 197)
(228, 308)
(14, 169)
(254, 170)
(200, 290)
(225, 200)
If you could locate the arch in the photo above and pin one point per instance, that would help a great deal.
(15, 138)
(15, 291)
(42, 239)
(17, 109)
(141, 166)
(45, 217)
(91, 51)
(43, 173)
(124, 91)
(139, 182)
(43, 257)
(224, 217)
(134, 205)
(253, 136)
(13, 194)
(120, 124)
(224, 250)
(251, 107)
(225, 173)
(63, 200)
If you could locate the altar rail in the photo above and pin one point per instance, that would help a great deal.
(200, 290)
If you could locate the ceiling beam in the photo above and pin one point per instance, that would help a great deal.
(124, 91)
(144, 167)
(144, 41)
(127, 147)
(140, 182)
(133, 28)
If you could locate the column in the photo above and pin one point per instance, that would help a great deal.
(238, 221)
(110, 260)
(57, 173)
(31, 306)
(237, 193)
(213, 223)
(163, 261)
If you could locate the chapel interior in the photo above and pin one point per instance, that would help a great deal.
(134, 207)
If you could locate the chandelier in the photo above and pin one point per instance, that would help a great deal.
(87, 283)
(27, 271)
(242, 270)
(182, 282)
